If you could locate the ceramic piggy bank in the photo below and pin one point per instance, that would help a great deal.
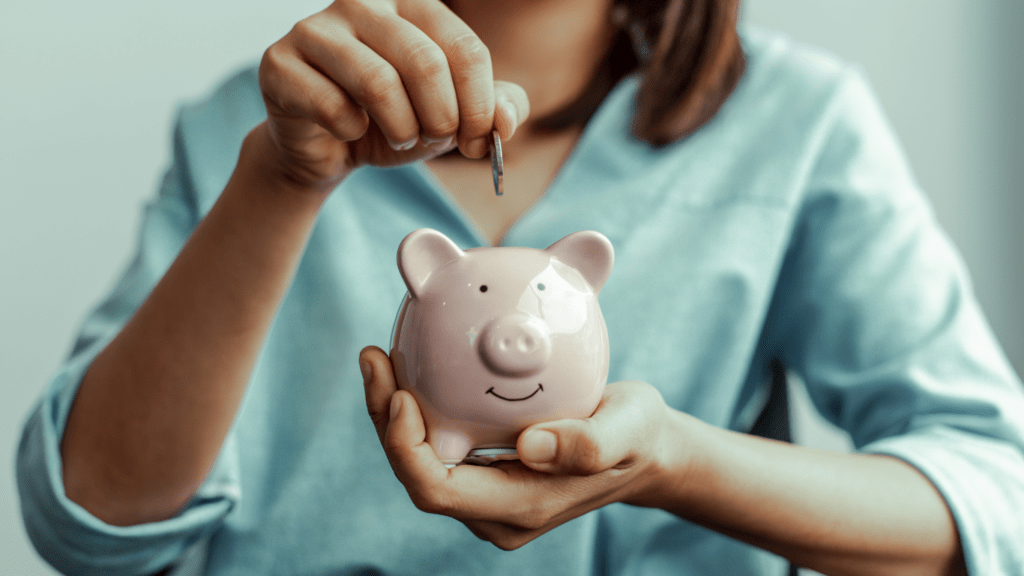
(492, 340)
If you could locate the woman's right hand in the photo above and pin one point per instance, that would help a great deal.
(380, 82)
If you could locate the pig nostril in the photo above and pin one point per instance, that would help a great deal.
(515, 345)
(526, 344)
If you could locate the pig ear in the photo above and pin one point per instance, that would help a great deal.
(421, 253)
(589, 252)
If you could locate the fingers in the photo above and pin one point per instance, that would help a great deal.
(369, 79)
(624, 427)
(400, 428)
(471, 72)
(466, 493)
(391, 82)
(512, 108)
(296, 91)
(506, 536)
(423, 68)
(577, 447)
(405, 442)
(419, 72)
(510, 504)
(379, 385)
(414, 461)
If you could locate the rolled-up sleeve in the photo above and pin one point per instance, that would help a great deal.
(66, 535)
(875, 311)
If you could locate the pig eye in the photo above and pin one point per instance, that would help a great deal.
(540, 286)
(483, 287)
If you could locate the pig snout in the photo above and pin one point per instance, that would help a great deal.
(515, 345)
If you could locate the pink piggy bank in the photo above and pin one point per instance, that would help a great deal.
(493, 340)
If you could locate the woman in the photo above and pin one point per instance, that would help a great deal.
(760, 210)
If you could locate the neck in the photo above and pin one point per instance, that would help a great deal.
(549, 47)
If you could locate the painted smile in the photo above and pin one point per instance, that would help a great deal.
(540, 388)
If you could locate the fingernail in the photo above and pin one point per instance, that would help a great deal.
(441, 145)
(396, 405)
(538, 446)
(366, 369)
(403, 146)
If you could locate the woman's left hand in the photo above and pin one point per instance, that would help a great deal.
(567, 467)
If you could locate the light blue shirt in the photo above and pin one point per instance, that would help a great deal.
(788, 227)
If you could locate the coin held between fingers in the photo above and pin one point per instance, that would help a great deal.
(497, 165)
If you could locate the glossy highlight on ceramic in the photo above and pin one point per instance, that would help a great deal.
(493, 340)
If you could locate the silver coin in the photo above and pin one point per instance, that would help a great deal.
(497, 165)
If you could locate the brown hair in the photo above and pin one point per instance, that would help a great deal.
(689, 58)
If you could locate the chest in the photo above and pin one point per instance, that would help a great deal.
(530, 165)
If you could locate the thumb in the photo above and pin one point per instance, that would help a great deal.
(511, 108)
(573, 447)
(623, 429)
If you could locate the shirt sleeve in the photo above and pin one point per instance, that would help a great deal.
(875, 311)
(65, 534)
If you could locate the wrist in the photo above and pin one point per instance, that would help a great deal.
(269, 171)
(680, 455)
(258, 192)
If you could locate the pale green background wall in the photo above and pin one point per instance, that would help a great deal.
(87, 91)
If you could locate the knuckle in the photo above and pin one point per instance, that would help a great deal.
(535, 518)
(589, 467)
(509, 542)
(272, 63)
(369, 12)
(504, 537)
(331, 112)
(392, 445)
(304, 29)
(506, 544)
(469, 51)
(431, 502)
(479, 531)
(318, 29)
(271, 57)
(588, 456)
(445, 127)
(427, 60)
(378, 83)
(476, 116)
(379, 419)
(475, 122)
(423, 504)
(339, 118)
(496, 535)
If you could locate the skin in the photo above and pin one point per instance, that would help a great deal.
(386, 82)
